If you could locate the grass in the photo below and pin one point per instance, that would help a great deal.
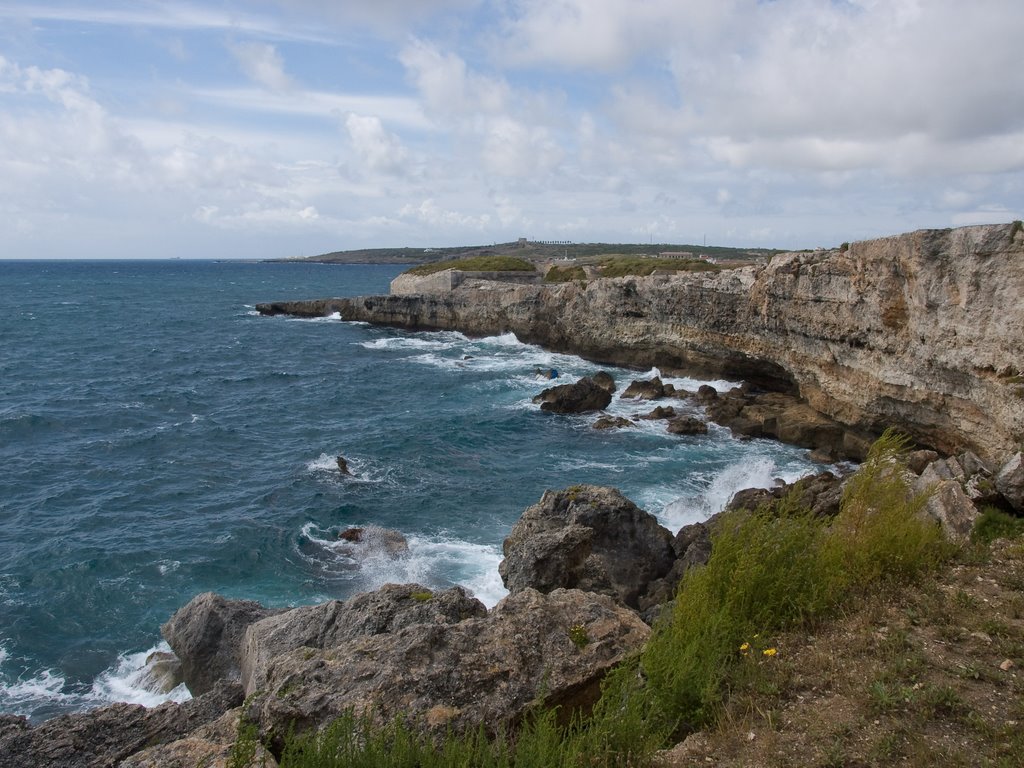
(772, 573)
(475, 264)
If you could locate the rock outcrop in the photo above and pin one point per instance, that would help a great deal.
(206, 635)
(335, 623)
(582, 396)
(531, 648)
(106, 736)
(918, 331)
(590, 538)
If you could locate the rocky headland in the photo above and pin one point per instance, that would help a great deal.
(920, 331)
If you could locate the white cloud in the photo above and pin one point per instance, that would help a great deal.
(376, 148)
(262, 63)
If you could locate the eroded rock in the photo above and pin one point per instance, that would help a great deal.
(553, 648)
(1010, 481)
(108, 735)
(327, 625)
(581, 397)
(206, 635)
(586, 537)
(641, 389)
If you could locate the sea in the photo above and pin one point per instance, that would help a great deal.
(159, 438)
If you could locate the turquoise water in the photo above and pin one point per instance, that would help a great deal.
(158, 438)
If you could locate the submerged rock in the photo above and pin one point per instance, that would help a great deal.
(590, 538)
(612, 422)
(372, 540)
(687, 425)
(641, 389)
(604, 380)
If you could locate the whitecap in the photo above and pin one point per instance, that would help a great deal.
(325, 467)
(24, 696)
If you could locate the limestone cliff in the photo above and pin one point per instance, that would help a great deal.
(923, 331)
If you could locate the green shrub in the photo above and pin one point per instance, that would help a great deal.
(780, 567)
(995, 524)
(564, 274)
(475, 264)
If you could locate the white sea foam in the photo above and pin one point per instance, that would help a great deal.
(24, 696)
(754, 472)
(434, 561)
(167, 566)
(135, 681)
(325, 467)
(331, 318)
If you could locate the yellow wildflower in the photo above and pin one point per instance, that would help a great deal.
(745, 647)
(769, 651)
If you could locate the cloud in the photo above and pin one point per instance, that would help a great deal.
(262, 63)
(377, 149)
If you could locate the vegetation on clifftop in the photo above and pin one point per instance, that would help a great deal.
(799, 643)
(475, 264)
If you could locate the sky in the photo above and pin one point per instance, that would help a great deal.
(278, 128)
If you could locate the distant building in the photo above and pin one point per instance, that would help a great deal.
(678, 255)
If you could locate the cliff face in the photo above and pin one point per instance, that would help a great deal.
(922, 331)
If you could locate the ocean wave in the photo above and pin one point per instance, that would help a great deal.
(720, 487)
(434, 561)
(138, 678)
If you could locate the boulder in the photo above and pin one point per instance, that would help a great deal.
(1010, 481)
(581, 397)
(642, 389)
(706, 394)
(950, 506)
(343, 465)
(586, 537)
(917, 461)
(604, 380)
(821, 493)
(532, 648)
(209, 747)
(687, 425)
(372, 540)
(612, 422)
(334, 623)
(692, 547)
(206, 634)
(108, 735)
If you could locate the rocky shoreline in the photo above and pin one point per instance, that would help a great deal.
(588, 571)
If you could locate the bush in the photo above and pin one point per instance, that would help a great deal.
(995, 524)
(564, 274)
